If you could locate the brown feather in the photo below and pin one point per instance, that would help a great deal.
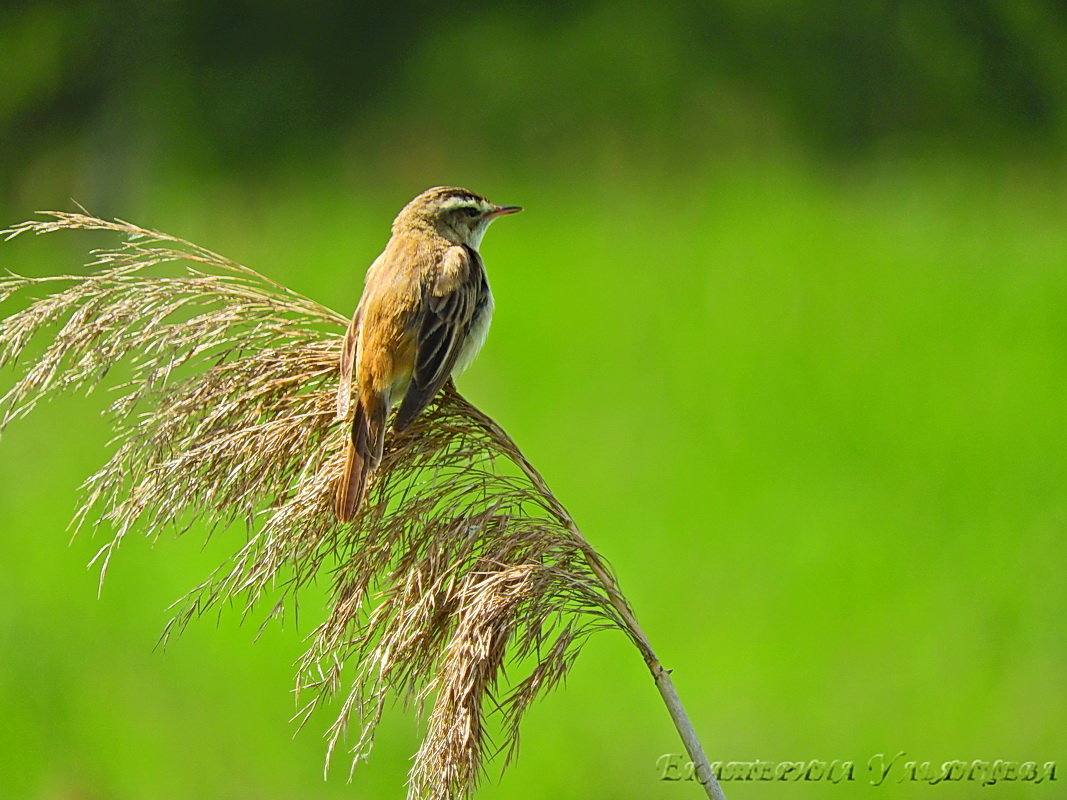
(362, 455)
(351, 487)
(348, 362)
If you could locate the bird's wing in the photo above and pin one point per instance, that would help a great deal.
(348, 361)
(449, 302)
(350, 344)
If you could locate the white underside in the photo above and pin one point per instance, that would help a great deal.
(475, 338)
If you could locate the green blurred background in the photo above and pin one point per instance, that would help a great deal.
(783, 325)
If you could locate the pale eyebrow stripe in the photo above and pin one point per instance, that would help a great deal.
(465, 201)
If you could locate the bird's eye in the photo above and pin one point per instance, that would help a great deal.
(473, 212)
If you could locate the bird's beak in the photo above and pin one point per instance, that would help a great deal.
(500, 211)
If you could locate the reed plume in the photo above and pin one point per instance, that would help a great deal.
(460, 562)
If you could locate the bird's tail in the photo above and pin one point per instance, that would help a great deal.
(362, 455)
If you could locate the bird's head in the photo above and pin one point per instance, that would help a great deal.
(459, 215)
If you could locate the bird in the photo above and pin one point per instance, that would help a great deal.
(422, 318)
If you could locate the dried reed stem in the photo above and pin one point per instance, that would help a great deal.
(461, 561)
(662, 676)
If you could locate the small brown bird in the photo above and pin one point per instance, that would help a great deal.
(422, 318)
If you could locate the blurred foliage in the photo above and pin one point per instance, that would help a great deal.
(237, 85)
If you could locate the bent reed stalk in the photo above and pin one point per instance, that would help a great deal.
(461, 561)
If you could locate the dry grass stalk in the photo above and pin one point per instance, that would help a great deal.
(461, 561)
